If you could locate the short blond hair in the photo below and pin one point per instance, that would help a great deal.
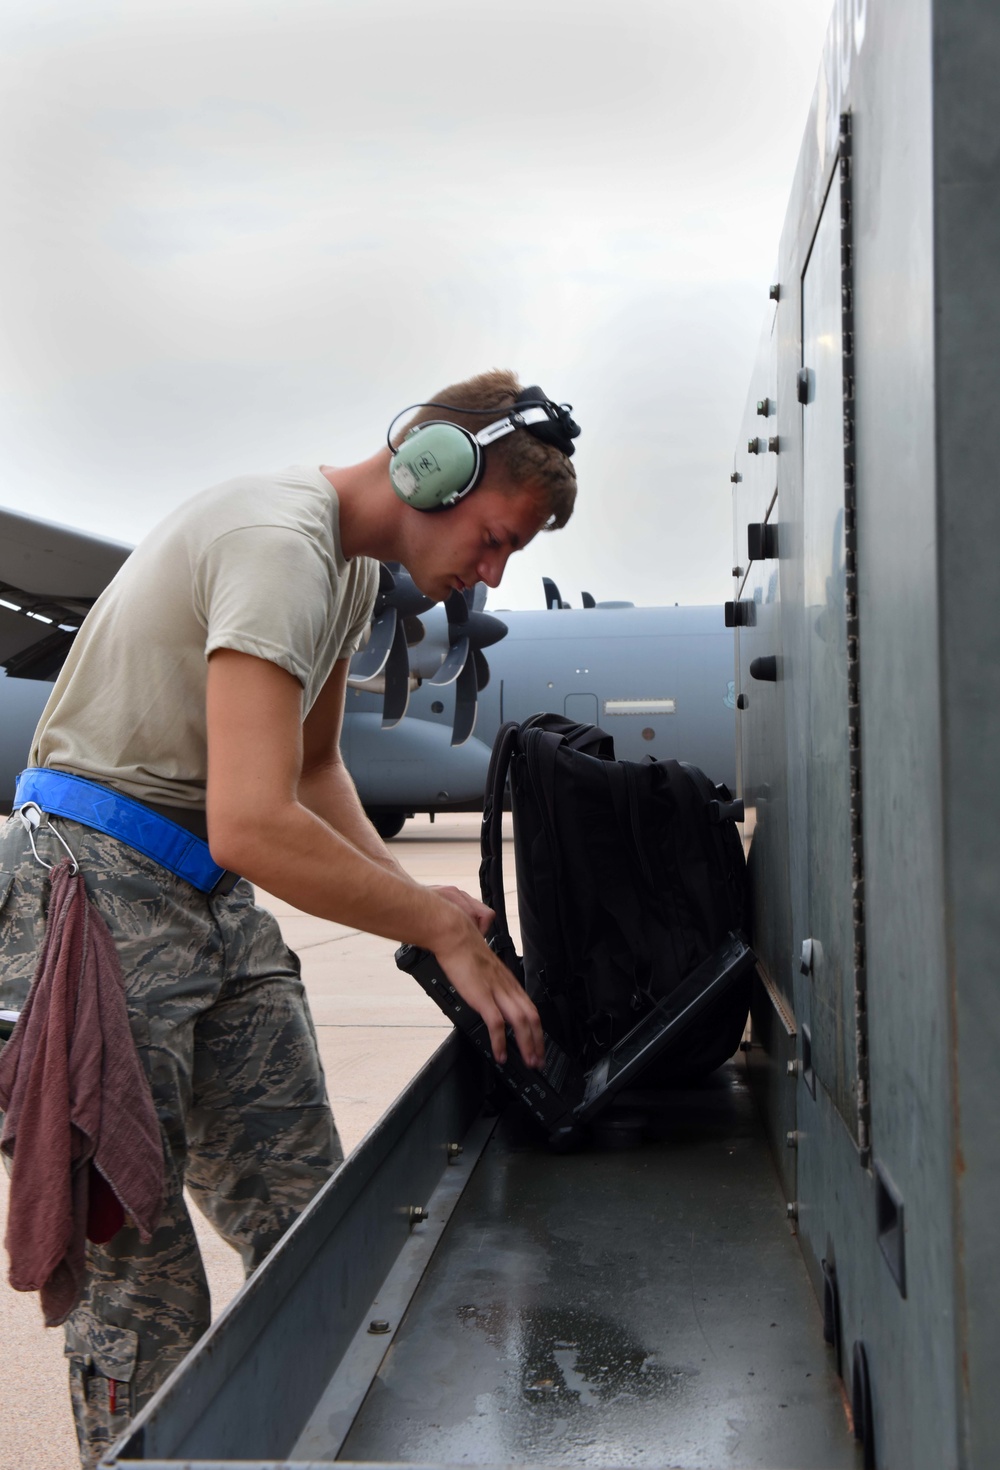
(525, 461)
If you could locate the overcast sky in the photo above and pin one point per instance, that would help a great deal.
(239, 234)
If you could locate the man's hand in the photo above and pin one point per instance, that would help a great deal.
(478, 912)
(489, 987)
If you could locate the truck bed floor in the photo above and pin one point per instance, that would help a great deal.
(616, 1309)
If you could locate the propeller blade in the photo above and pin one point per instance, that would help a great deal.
(482, 669)
(395, 624)
(414, 630)
(454, 663)
(465, 703)
(457, 609)
(397, 680)
(369, 661)
(479, 592)
(406, 596)
(553, 597)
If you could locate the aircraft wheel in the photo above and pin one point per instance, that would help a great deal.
(387, 824)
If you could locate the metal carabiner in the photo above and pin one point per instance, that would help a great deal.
(31, 816)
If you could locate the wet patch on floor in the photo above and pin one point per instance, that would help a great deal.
(566, 1357)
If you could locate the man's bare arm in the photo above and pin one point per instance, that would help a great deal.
(325, 786)
(327, 789)
(259, 826)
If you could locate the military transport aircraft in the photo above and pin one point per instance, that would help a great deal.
(424, 704)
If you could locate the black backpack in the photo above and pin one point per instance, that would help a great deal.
(629, 875)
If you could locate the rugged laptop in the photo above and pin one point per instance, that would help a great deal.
(561, 1094)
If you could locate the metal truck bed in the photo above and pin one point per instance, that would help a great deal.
(610, 1308)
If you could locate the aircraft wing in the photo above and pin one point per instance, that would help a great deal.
(50, 575)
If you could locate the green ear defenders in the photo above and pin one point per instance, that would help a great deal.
(439, 463)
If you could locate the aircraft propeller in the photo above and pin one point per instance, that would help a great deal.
(470, 630)
(383, 665)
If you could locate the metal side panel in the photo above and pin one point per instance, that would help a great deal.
(248, 1388)
(887, 295)
(966, 127)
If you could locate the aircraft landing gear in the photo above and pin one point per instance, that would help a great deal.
(387, 824)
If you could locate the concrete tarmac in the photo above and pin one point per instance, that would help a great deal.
(375, 1028)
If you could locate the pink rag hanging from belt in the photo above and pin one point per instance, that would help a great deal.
(80, 1127)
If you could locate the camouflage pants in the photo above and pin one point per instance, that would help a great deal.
(220, 1019)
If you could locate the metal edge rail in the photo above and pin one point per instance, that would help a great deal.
(245, 1392)
(384, 1465)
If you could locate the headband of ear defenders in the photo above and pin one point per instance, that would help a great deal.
(531, 410)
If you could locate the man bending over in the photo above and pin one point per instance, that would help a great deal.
(208, 684)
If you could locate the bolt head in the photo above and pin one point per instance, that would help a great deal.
(774, 294)
(772, 444)
(792, 1068)
(791, 1139)
(792, 1209)
(378, 1325)
(763, 407)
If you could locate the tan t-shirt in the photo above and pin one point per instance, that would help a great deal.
(254, 564)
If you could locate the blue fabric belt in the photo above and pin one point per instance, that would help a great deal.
(166, 842)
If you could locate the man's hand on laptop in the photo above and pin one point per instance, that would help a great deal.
(489, 987)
